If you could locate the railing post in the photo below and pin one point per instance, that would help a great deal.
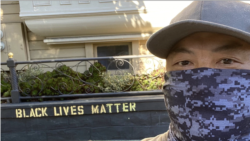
(15, 95)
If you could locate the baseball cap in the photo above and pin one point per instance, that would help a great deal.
(225, 17)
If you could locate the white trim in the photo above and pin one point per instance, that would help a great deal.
(97, 39)
(104, 1)
(89, 53)
(84, 1)
(38, 3)
(26, 41)
(65, 2)
(33, 15)
(136, 47)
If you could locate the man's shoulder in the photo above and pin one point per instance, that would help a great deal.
(161, 137)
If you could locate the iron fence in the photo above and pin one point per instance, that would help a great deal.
(82, 77)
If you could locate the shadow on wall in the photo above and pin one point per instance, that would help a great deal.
(135, 20)
(99, 18)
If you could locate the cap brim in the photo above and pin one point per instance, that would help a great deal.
(163, 40)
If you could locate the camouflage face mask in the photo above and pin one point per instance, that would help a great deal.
(208, 104)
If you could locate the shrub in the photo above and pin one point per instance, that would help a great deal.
(152, 81)
(117, 83)
(5, 85)
(64, 80)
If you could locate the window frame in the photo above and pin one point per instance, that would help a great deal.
(129, 44)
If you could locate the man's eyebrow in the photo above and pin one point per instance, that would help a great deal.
(226, 47)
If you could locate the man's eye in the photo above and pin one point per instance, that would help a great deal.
(183, 63)
(227, 61)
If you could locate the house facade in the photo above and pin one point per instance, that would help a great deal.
(38, 30)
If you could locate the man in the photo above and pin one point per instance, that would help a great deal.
(207, 89)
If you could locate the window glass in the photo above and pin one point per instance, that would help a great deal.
(117, 50)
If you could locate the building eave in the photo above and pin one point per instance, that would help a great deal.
(97, 39)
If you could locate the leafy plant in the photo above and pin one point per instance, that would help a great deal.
(5, 85)
(64, 80)
(152, 81)
(117, 82)
(30, 73)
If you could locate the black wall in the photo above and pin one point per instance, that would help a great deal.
(148, 119)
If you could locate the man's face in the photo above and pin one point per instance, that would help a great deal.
(211, 50)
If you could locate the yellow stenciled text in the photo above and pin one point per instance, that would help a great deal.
(32, 112)
(119, 107)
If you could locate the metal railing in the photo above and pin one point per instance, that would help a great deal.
(88, 77)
